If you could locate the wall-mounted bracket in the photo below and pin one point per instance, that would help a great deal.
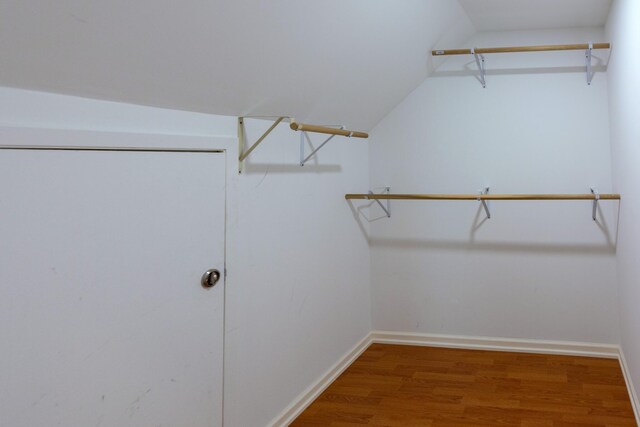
(485, 203)
(304, 135)
(242, 153)
(587, 56)
(303, 128)
(596, 199)
(386, 209)
(480, 63)
(478, 52)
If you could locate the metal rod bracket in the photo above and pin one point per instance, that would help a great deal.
(386, 209)
(480, 63)
(304, 135)
(596, 199)
(242, 153)
(485, 203)
(587, 55)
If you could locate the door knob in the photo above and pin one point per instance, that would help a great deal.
(210, 278)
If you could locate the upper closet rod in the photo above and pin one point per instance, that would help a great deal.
(478, 54)
(543, 48)
(302, 127)
(326, 130)
(483, 196)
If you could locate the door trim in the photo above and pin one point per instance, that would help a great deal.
(139, 149)
(84, 137)
(89, 148)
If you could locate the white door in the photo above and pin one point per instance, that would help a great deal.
(103, 319)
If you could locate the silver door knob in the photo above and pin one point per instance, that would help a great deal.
(210, 278)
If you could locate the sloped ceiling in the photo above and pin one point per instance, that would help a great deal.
(498, 15)
(331, 61)
(326, 61)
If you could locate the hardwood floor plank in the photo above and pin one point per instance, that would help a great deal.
(395, 385)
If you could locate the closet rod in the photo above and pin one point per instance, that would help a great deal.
(543, 48)
(482, 196)
(326, 130)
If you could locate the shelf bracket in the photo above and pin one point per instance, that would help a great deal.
(304, 135)
(587, 56)
(480, 63)
(241, 140)
(386, 209)
(596, 199)
(485, 203)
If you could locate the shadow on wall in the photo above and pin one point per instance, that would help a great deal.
(311, 166)
(470, 69)
(515, 71)
(558, 248)
(361, 215)
(266, 168)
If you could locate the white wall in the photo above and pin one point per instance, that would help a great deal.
(301, 295)
(535, 270)
(624, 103)
(298, 287)
(45, 110)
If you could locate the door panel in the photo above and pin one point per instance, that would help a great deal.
(103, 320)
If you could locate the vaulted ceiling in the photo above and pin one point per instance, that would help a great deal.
(502, 15)
(330, 61)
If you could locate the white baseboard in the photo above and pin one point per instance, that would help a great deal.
(310, 394)
(632, 390)
(569, 348)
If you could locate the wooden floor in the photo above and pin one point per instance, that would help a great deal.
(393, 385)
